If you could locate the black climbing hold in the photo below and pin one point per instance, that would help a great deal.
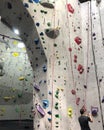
(30, 1)
(37, 24)
(41, 34)
(82, 1)
(47, 5)
(9, 5)
(52, 33)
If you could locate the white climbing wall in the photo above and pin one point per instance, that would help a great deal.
(71, 65)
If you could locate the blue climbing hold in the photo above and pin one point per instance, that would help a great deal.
(45, 104)
(26, 5)
(44, 68)
(36, 41)
(36, 1)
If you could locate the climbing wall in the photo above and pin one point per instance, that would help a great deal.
(16, 78)
(70, 32)
(66, 56)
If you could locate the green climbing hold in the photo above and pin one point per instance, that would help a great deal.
(49, 24)
(20, 95)
(57, 116)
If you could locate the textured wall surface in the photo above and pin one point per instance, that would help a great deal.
(66, 51)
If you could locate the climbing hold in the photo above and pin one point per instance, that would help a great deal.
(78, 40)
(40, 110)
(80, 68)
(49, 24)
(98, 1)
(70, 49)
(50, 93)
(70, 112)
(26, 5)
(94, 111)
(15, 54)
(103, 99)
(36, 87)
(49, 112)
(57, 116)
(56, 105)
(73, 92)
(36, 41)
(44, 68)
(47, 5)
(49, 119)
(45, 103)
(21, 78)
(41, 34)
(37, 24)
(85, 86)
(20, 95)
(36, 1)
(30, 1)
(77, 101)
(7, 98)
(82, 1)
(9, 5)
(70, 8)
(52, 33)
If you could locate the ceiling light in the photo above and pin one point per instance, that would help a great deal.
(16, 31)
(21, 45)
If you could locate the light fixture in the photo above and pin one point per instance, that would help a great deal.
(16, 31)
(21, 45)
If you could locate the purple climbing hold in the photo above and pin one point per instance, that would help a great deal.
(40, 110)
(36, 87)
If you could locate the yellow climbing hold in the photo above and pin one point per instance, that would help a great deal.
(60, 88)
(15, 42)
(7, 98)
(70, 112)
(21, 78)
(15, 54)
(2, 109)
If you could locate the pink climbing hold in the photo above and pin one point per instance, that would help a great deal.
(77, 101)
(70, 8)
(78, 40)
(80, 68)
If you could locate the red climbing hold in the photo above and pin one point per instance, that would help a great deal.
(70, 49)
(70, 8)
(73, 92)
(78, 40)
(80, 68)
(77, 101)
(75, 56)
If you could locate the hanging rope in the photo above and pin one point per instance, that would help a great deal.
(53, 61)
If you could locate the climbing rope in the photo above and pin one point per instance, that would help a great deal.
(53, 62)
(96, 74)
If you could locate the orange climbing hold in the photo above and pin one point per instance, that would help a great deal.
(78, 40)
(70, 8)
